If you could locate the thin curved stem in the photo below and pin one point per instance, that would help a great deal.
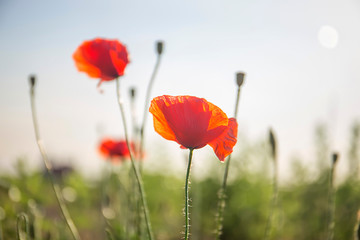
(48, 166)
(25, 219)
(187, 183)
(222, 191)
(109, 234)
(136, 172)
(146, 107)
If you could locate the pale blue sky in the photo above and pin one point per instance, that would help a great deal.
(292, 83)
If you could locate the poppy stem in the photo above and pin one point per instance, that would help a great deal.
(222, 191)
(48, 166)
(357, 227)
(25, 219)
(187, 182)
(136, 171)
(275, 193)
(1, 232)
(147, 100)
(331, 200)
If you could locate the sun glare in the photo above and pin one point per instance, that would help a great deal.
(328, 37)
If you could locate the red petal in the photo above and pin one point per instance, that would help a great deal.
(223, 145)
(119, 57)
(105, 147)
(83, 65)
(101, 58)
(192, 122)
(161, 125)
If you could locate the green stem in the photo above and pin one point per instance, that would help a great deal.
(268, 227)
(109, 234)
(357, 227)
(222, 191)
(273, 205)
(146, 108)
(187, 182)
(36, 219)
(48, 166)
(331, 200)
(1, 232)
(136, 221)
(136, 171)
(25, 219)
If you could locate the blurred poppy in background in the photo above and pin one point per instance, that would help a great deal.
(115, 150)
(193, 123)
(101, 58)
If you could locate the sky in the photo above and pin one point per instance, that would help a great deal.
(301, 60)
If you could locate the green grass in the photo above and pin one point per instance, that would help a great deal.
(110, 203)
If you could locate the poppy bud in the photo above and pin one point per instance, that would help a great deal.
(335, 157)
(240, 78)
(32, 80)
(272, 143)
(132, 92)
(159, 47)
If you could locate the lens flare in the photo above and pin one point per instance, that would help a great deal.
(328, 37)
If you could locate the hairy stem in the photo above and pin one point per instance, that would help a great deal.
(222, 193)
(136, 171)
(187, 182)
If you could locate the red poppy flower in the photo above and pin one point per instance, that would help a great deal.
(101, 58)
(116, 150)
(193, 123)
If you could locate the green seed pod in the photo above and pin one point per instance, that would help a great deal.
(240, 78)
(335, 157)
(159, 47)
(32, 80)
(272, 143)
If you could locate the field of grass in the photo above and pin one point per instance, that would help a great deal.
(108, 207)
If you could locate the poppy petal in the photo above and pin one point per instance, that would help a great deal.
(105, 147)
(160, 123)
(190, 121)
(101, 58)
(218, 117)
(119, 57)
(83, 65)
(115, 150)
(223, 145)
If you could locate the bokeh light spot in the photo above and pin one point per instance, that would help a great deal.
(108, 213)
(328, 37)
(69, 193)
(14, 194)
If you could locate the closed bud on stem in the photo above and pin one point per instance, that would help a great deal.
(272, 143)
(240, 78)
(32, 80)
(132, 92)
(159, 47)
(335, 157)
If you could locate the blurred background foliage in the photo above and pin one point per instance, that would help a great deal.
(108, 207)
